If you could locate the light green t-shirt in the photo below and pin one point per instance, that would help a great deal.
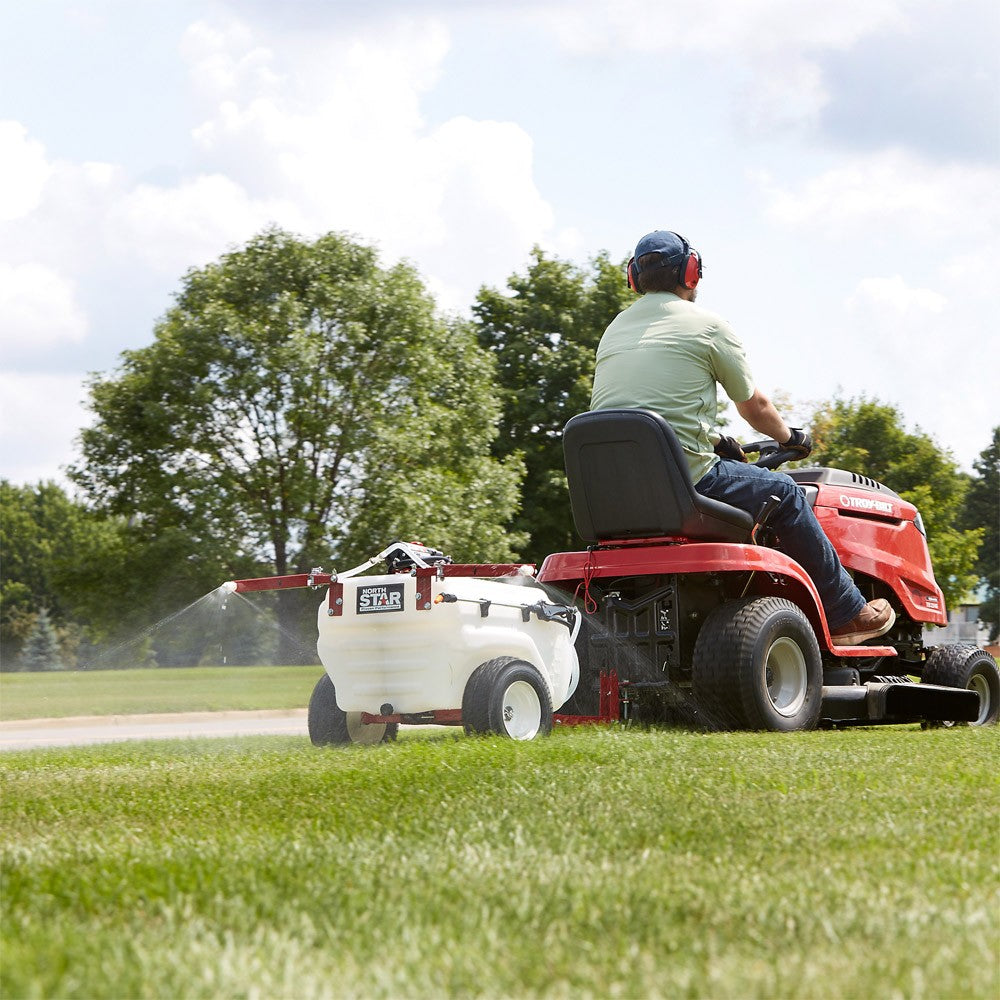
(667, 355)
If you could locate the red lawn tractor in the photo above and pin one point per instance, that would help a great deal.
(694, 614)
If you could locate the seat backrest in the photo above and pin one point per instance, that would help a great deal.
(628, 478)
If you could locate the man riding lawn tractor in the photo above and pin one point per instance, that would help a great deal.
(668, 355)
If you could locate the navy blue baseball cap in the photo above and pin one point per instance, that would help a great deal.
(662, 241)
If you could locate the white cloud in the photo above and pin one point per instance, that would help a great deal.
(38, 309)
(788, 93)
(356, 89)
(892, 190)
(174, 228)
(973, 273)
(916, 245)
(323, 134)
(23, 171)
(224, 59)
(856, 72)
(49, 405)
(718, 26)
(891, 302)
(922, 350)
(337, 137)
(92, 216)
(61, 227)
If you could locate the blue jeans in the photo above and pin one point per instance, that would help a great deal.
(793, 521)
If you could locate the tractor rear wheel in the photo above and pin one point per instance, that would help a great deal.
(507, 696)
(757, 666)
(330, 725)
(965, 666)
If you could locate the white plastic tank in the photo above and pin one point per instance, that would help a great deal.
(381, 650)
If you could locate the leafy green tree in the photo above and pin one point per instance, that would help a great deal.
(543, 330)
(87, 570)
(39, 526)
(17, 624)
(868, 437)
(32, 519)
(982, 511)
(41, 651)
(299, 402)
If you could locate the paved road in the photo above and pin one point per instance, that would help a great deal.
(30, 733)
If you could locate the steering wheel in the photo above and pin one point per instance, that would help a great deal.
(771, 453)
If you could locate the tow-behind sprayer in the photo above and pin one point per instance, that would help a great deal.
(432, 642)
(681, 608)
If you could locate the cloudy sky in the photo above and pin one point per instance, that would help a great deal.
(838, 165)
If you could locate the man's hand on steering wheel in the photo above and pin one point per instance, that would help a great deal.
(729, 447)
(800, 442)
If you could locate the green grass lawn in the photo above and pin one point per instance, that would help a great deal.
(127, 692)
(600, 862)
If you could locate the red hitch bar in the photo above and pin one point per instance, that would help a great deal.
(281, 582)
(319, 579)
(422, 573)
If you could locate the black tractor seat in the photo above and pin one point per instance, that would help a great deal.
(628, 478)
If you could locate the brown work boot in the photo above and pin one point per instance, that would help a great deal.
(873, 620)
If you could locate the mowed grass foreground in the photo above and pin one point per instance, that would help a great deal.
(599, 862)
(61, 694)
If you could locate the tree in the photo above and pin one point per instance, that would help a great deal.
(544, 330)
(93, 574)
(299, 402)
(866, 436)
(982, 510)
(39, 526)
(32, 519)
(41, 651)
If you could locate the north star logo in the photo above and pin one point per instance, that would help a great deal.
(865, 503)
(380, 597)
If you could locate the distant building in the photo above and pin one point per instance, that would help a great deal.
(963, 625)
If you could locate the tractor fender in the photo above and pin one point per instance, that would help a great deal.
(567, 570)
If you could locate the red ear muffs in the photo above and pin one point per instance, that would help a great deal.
(690, 270)
(631, 275)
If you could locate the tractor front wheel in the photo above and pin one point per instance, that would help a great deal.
(757, 666)
(965, 666)
(507, 696)
(330, 725)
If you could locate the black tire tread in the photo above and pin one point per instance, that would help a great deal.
(955, 664)
(722, 689)
(328, 721)
(477, 696)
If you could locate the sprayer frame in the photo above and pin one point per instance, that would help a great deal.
(424, 567)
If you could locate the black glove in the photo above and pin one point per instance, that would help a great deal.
(799, 442)
(730, 448)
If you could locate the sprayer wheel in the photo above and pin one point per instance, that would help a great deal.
(757, 666)
(509, 697)
(965, 666)
(330, 725)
